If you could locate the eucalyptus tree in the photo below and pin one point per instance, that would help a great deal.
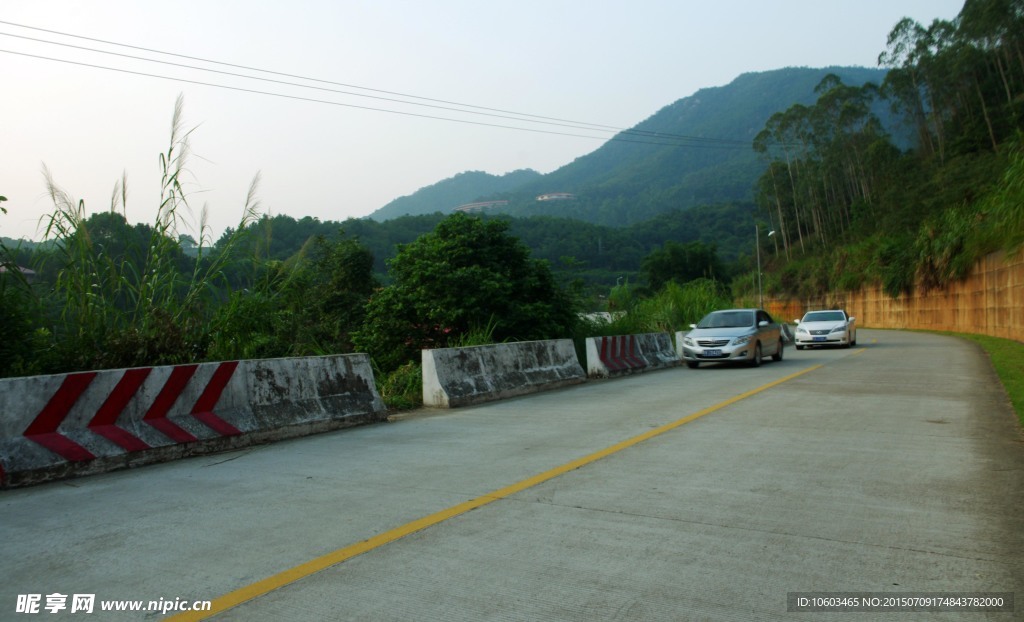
(908, 85)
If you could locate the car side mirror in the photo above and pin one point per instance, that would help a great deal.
(852, 319)
(796, 321)
(693, 326)
(762, 323)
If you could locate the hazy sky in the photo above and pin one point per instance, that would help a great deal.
(606, 62)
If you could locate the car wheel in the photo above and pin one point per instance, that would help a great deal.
(693, 364)
(778, 354)
(756, 361)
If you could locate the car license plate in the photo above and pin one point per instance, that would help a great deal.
(820, 338)
(712, 353)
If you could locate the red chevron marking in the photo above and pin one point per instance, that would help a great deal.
(156, 416)
(203, 409)
(43, 429)
(104, 422)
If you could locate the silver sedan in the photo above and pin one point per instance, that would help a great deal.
(733, 335)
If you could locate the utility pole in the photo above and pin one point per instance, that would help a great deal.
(760, 296)
(757, 235)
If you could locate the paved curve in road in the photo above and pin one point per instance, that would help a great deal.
(893, 467)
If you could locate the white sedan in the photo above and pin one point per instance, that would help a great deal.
(826, 328)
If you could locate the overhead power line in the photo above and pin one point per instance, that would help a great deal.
(290, 75)
(622, 134)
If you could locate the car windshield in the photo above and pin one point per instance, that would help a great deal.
(727, 319)
(825, 316)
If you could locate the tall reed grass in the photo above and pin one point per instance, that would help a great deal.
(672, 308)
(118, 310)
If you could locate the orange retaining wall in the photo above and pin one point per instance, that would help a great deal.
(990, 301)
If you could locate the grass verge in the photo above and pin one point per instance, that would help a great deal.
(1007, 357)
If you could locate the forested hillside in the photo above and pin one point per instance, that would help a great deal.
(695, 151)
(597, 254)
(450, 193)
(850, 206)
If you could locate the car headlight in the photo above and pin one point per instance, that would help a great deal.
(801, 330)
(688, 341)
(839, 329)
(739, 341)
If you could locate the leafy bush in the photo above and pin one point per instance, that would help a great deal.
(18, 313)
(894, 262)
(672, 308)
(467, 274)
(401, 389)
(941, 247)
(1005, 205)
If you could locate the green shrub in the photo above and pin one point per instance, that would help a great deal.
(894, 262)
(401, 389)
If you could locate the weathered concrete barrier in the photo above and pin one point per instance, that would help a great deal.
(90, 422)
(626, 354)
(462, 376)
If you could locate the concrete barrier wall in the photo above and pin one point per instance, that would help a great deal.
(462, 376)
(90, 422)
(625, 354)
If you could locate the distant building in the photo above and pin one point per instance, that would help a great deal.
(30, 275)
(476, 208)
(557, 196)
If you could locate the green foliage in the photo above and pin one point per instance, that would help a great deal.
(261, 322)
(940, 248)
(309, 305)
(851, 266)
(681, 263)
(674, 307)
(852, 208)
(647, 172)
(476, 335)
(894, 260)
(629, 181)
(448, 194)
(848, 203)
(469, 273)
(341, 283)
(1005, 207)
(124, 298)
(584, 257)
(401, 389)
(19, 341)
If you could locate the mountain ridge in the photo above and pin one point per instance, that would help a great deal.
(649, 169)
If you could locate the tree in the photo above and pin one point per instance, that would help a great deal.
(681, 263)
(467, 275)
(342, 283)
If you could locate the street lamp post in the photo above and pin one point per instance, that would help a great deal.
(760, 295)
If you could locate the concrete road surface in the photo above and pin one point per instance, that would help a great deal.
(891, 469)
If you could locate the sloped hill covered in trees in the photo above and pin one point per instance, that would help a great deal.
(695, 151)
(447, 194)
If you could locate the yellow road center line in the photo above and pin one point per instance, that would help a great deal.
(281, 579)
